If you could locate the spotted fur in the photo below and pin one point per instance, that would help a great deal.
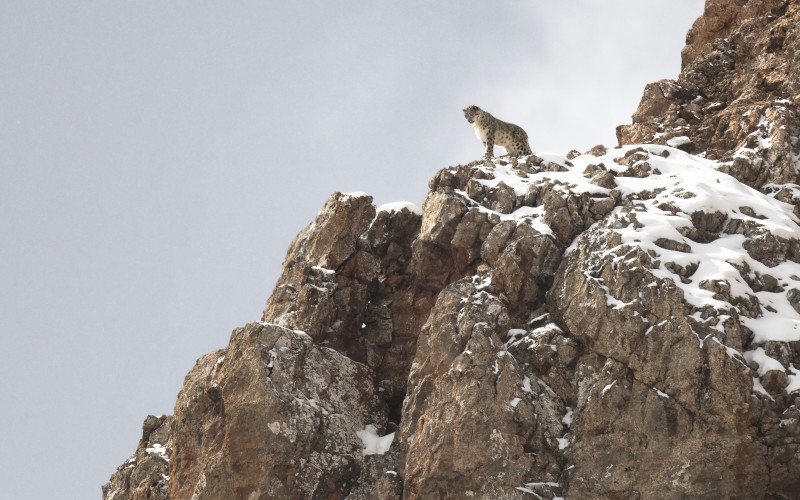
(492, 131)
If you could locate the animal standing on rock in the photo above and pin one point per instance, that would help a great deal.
(492, 131)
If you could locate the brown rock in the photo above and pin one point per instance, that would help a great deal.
(736, 97)
(272, 416)
(638, 426)
(469, 407)
(146, 474)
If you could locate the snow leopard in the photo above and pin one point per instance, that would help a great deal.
(492, 131)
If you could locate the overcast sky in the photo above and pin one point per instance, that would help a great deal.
(158, 157)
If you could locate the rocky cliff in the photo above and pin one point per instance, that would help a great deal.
(623, 323)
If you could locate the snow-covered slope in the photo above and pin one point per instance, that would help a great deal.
(730, 248)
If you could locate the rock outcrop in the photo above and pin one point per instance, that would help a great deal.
(623, 323)
(146, 474)
(736, 98)
(274, 415)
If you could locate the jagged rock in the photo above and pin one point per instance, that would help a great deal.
(308, 297)
(263, 420)
(346, 283)
(471, 407)
(146, 474)
(640, 417)
(737, 95)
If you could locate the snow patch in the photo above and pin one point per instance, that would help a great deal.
(765, 363)
(157, 449)
(528, 488)
(567, 418)
(323, 270)
(356, 194)
(661, 393)
(374, 444)
(399, 206)
(757, 387)
(794, 380)
(678, 141)
(526, 385)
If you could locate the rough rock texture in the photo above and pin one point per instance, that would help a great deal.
(737, 95)
(668, 411)
(472, 385)
(146, 474)
(262, 419)
(347, 283)
(623, 323)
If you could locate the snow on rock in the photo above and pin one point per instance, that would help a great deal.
(567, 419)
(159, 450)
(733, 251)
(794, 380)
(765, 363)
(678, 141)
(373, 443)
(146, 474)
(745, 254)
(691, 271)
(725, 245)
(399, 206)
(356, 194)
(759, 388)
(324, 271)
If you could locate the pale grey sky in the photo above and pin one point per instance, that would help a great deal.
(158, 157)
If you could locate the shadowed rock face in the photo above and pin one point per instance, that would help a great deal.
(623, 323)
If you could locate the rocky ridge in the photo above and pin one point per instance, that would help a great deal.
(623, 323)
(735, 100)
